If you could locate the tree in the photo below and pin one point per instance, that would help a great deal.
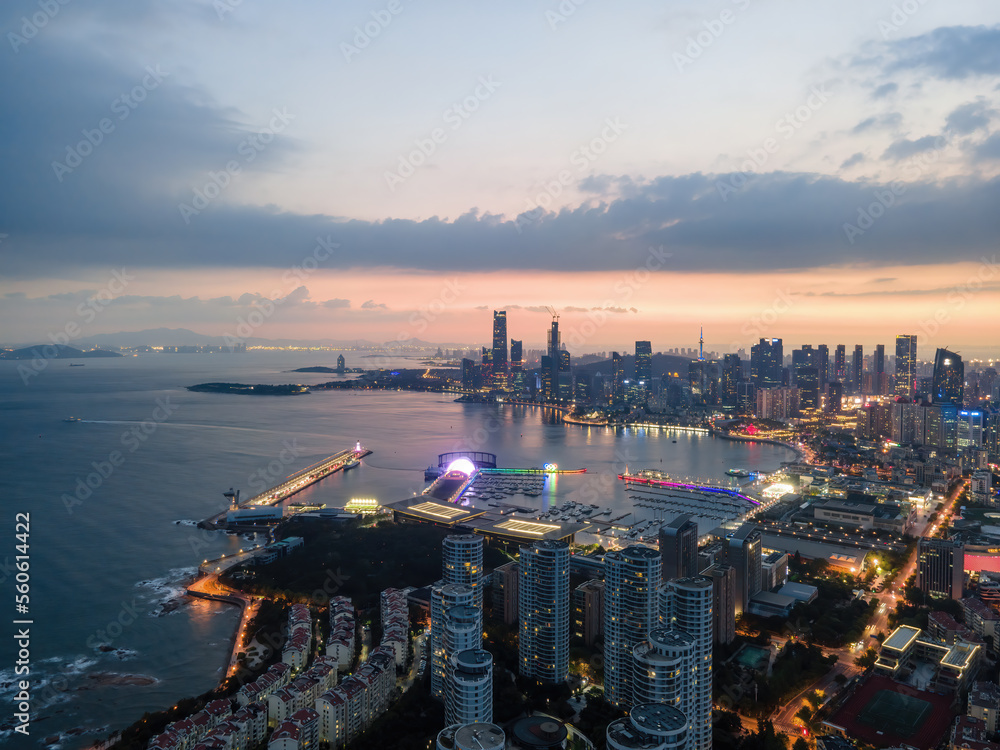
(800, 744)
(867, 659)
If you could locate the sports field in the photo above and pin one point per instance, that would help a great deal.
(884, 713)
(895, 713)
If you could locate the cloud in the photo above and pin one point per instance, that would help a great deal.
(988, 149)
(618, 310)
(372, 305)
(888, 120)
(905, 148)
(949, 52)
(852, 160)
(970, 117)
(335, 304)
(885, 90)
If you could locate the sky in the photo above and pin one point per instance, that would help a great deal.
(824, 172)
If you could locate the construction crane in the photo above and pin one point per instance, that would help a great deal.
(552, 312)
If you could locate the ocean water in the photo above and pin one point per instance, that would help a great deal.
(113, 501)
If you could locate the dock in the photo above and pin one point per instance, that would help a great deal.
(295, 483)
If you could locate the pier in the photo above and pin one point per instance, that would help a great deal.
(294, 483)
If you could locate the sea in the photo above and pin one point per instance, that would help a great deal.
(113, 500)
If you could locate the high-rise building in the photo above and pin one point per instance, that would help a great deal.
(687, 606)
(617, 379)
(500, 349)
(544, 622)
(777, 403)
(906, 364)
(644, 362)
(462, 562)
(470, 687)
(948, 386)
(732, 374)
(857, 369)
(444, 598)
(823, 365)
(679, 548)
(940, 567)
(649, 726)
(806, 369)
(631, 610)
(969, 430)
(517, 365)
(878, 370)
(588, 610)
(486, 368)
(743, 552)
(840, 363)
(554, 346)
(506, 582)
(807, 382)
(834, 396)
(471, 737)
(766, 363)
(662, 665)
(723, 578)
(468, 374)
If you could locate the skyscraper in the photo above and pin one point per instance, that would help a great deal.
(823, 365)
(469, 698)
(649, 726)
(687, 606)
(857, 380)
(743, 552)
(516, 365)
(644, 362)
(500, 349)
(732, 374)
(940, 567)
(663, 664)
(444, 598)
(462, 562)
(906, 364)
(617, 379)
(766, 363)
(543, 594)
(949, 378)
(631, 611)
(806, 370)
(723, 578)
(679, 548)
(554, 346)
(840, 363)
(878, 370)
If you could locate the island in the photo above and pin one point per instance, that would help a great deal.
(55, 351)
(291, 389)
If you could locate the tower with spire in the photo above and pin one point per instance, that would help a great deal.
(701, 345)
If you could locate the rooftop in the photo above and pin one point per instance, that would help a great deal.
(901, 638)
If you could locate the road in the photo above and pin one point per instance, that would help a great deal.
(209, 587)
(784, 719)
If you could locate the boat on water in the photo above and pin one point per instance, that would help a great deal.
(77, 364)
(72, 419)
(740, 473)
(351, 464)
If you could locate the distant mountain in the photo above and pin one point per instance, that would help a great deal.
(55, 351)
(185, 337)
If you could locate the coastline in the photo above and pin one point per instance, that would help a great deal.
(740, 439)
